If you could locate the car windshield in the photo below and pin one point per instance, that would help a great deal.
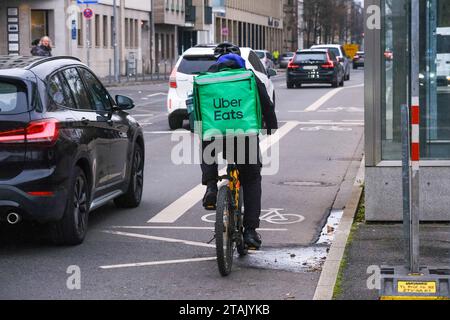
(196, 65)
(13, 98)
(310, 57)
(260, 54)
(334, 50)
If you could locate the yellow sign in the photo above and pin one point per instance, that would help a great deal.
(417, 287)
(351, 49)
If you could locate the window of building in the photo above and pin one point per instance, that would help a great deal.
(112, 31)
(136, 33)
(127, 33)
(39, 24)
(80, 30)
(105, 31)
(97, 30)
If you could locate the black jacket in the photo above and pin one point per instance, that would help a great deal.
(42, 51)
(270, 121)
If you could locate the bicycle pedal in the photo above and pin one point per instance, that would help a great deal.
(210, 208)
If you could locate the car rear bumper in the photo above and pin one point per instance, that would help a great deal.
(295, 77)
(174, 102)
(32, 208)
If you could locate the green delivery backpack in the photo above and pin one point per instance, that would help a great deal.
(227, 103)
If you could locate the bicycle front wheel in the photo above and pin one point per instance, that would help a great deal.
(224, 232)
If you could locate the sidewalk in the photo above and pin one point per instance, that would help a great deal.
(382, 244)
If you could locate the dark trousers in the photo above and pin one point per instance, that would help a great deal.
(249, 166)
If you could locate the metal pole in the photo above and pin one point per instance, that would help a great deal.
(415, 154)
(88, 40)
(406, 176)
(116, 48)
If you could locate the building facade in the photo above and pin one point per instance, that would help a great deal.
(387, 83)
(23, 21)
(290, 25)
(250, 23)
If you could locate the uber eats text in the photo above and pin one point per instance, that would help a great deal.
(227, 109)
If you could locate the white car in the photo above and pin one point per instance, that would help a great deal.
(340, 53)
(266, 58)
(195, 61)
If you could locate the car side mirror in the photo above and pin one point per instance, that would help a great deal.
(124, 102)
(271, 73)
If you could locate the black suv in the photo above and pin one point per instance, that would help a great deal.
(315, 66)
(66, 147)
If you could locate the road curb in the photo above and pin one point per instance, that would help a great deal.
(330, 270)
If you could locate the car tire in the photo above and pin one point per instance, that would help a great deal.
(290, 85)
(335, 82)
(72, 228)
(132, 198)
(175, 122)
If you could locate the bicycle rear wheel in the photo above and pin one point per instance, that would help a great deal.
(224, 233)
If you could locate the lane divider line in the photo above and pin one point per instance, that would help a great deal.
(156, 263)
(143, 236)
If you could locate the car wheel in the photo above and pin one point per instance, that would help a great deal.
(132, 198)
(335, 82)
(175, 122)
(72, 228)
(290, 85)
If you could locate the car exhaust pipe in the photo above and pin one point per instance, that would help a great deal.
(13, 218)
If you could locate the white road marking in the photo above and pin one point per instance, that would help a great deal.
(182, 228)
(157, 94)
(156, 263)
(168, 132)
(178, 208)
(142, 115)
(316, 105)
(143, 236)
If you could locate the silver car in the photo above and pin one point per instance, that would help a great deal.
(266, 59)
(285, 58)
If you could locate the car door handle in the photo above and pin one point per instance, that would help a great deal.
(85, 121)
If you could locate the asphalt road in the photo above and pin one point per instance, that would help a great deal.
(320, 149)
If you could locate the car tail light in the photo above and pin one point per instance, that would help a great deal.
(329, 64)
(42, 131)
(292, 65)
(41, 193)
(356, 57)
(173, 79)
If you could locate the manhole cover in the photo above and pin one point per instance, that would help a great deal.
(306, 184)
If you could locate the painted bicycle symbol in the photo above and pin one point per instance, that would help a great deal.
(272, 215)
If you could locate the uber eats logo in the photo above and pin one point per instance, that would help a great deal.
(227, 109)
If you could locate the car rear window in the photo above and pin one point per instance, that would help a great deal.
(13, 97)
(310, 57)
(260, 54)
(195, 65)
(335, 51)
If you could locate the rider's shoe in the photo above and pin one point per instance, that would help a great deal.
(210, 197)
(252, 239)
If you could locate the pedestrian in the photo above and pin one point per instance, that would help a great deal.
(44, 48)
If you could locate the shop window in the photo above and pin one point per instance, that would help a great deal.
(39, 24)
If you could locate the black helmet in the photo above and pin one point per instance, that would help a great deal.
(225, 48)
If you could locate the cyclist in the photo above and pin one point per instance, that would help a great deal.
(229, 57)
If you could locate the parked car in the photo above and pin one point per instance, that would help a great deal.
(443, 56)
(340, 54)
(66, 146)
(358, 60)
(285, 58)
(266, 59)
(315, 66)
(197, 60)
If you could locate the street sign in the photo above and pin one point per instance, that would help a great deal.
(88, 13)
(87, 1)
(225, 32)
(74, 30)
(351, 49)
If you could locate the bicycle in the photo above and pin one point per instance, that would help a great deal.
(229, 226)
